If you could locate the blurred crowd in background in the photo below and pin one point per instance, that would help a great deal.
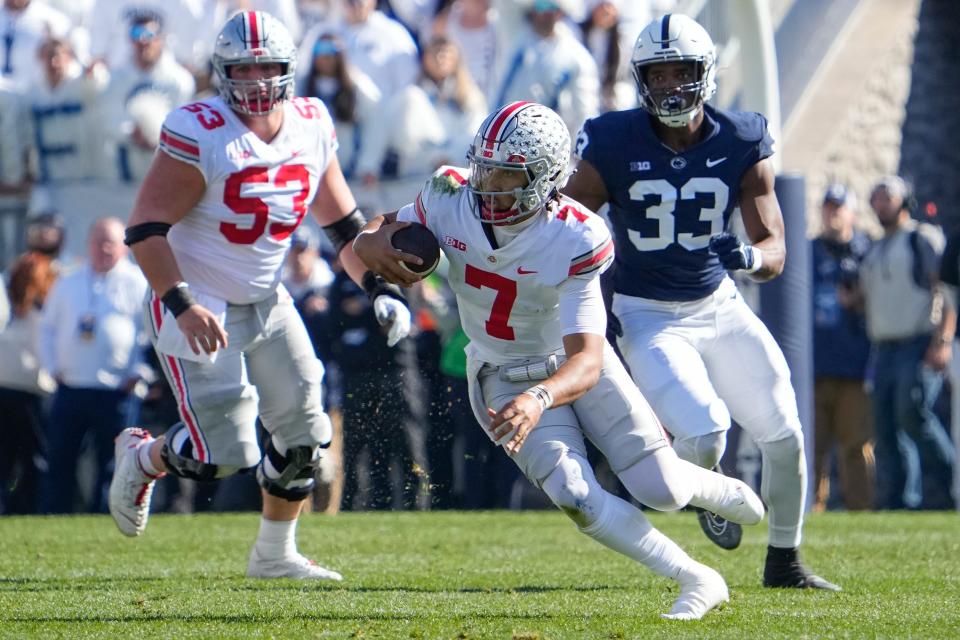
(84, 88)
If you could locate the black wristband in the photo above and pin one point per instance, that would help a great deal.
(344, 230)
(178, 299)
(375, 285)
(140, 232)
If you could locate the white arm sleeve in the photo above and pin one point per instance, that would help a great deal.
(581, 307)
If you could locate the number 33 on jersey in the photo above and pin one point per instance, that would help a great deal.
(665, 206)
(257, 192)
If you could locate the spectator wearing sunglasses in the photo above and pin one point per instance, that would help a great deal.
(147, 85)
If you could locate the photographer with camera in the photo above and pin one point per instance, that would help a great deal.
(911, 324)
(841, 349)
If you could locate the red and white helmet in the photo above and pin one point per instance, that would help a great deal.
(675, 38)
(520, 136)
(254, 37)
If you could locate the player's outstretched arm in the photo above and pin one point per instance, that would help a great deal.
(587, 187)
(375, 249)
(514, 421)
(763, 219)
(169, 191)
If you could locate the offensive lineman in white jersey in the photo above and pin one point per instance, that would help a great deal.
(524, 264)
(211, 225)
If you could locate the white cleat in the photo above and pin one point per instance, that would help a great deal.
(131, 488)
(741, 504)
(699, 594)
(298, 567)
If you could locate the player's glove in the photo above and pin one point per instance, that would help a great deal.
(394, 315)
(734, 254)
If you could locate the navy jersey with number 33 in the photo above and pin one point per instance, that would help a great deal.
(665, 206)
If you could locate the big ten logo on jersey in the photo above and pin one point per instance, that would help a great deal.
(276, 198)
(206, 115)
(459, 245)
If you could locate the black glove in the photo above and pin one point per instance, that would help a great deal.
(734, 254)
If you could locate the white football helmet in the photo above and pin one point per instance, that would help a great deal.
(253, 37)
(675, 38)
(523, 137)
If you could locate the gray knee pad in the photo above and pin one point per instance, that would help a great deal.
(704, 451)
(177, 455)
(573, 487)
(288, 475)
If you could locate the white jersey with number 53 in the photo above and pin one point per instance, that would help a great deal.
(232, 244)
(509, 297)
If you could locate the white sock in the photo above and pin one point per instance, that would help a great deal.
(709, 489)
(623, 528)
(277, 538)
(143, 458)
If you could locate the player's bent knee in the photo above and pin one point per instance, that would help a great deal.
(704, 451)
(575, 490)
(177, 456)
(784, 449)
(658, 481)
(288, 473)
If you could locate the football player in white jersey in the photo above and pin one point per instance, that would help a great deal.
(524, 264)
(210, 227)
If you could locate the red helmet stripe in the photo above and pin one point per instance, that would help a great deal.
(254, 29)
(494, 131)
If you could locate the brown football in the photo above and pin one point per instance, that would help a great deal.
(421, 242)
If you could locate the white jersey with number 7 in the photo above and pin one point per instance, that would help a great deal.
(232, 244)
(509, 296)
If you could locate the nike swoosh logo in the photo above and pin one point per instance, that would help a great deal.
(713, 163)
(523, 272)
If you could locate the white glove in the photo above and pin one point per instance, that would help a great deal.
(394, 315)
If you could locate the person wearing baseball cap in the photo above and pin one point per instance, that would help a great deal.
(841, 348)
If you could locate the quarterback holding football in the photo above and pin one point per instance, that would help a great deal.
(524, 265)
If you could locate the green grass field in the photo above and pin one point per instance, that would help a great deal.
(463, 575)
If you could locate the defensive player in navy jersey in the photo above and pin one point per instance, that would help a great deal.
(672, 173)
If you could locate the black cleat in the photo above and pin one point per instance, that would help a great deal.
(722, 532)
(784, 570)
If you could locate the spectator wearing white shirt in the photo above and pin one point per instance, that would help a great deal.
(23, 385)
(472, 25)
(610, 37)
(24, 26)
(351, 97)
(552, 67)
(110, 21)
(140, 94)
(91, 341)
(64, 123)
(431, 122)
(378, 46)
